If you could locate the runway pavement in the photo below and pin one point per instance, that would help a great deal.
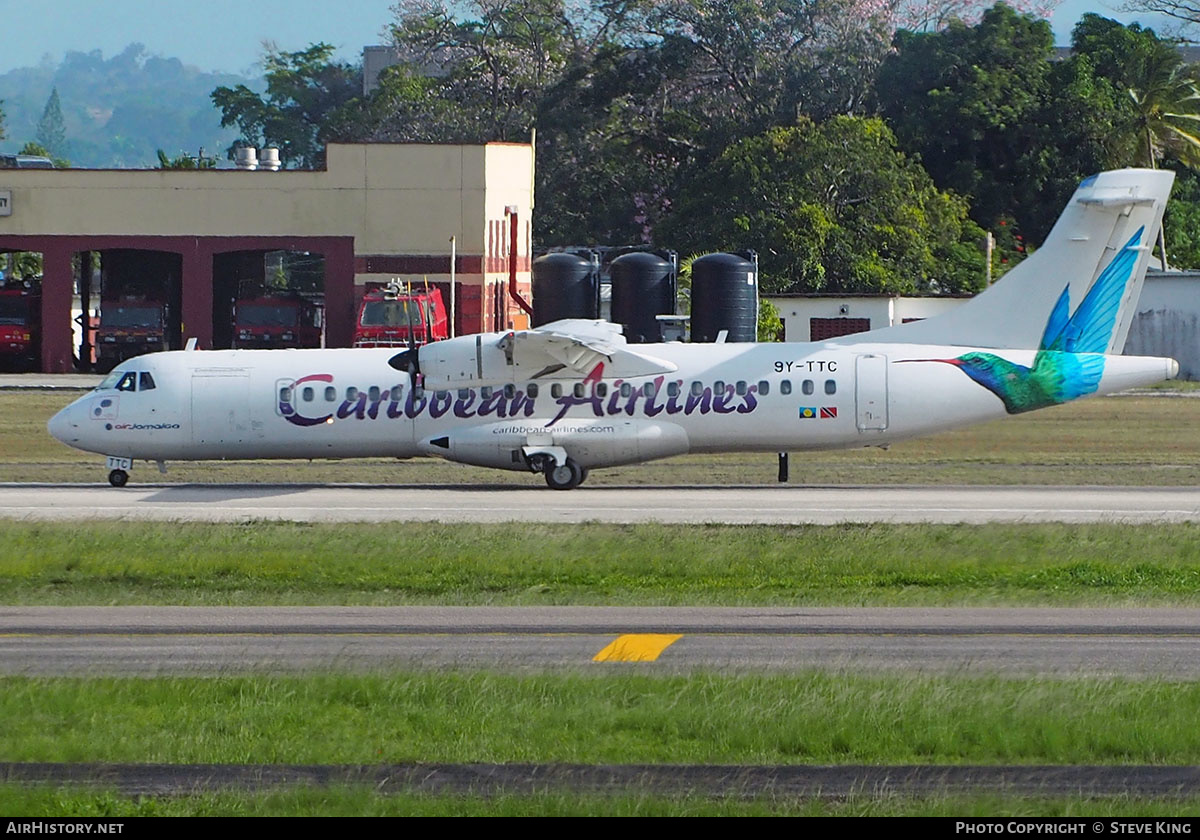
(204, 640)
(739, 505)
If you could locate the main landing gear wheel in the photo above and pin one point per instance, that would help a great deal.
(117, 478)
(565, 476)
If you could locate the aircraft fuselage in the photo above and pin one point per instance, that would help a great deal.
(248, 404)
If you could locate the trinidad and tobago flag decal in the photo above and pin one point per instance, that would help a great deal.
(828, 412)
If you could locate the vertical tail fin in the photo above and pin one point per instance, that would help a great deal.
(1079, 290)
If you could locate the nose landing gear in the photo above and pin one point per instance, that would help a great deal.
(118, 470)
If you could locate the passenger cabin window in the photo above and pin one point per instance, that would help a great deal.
(764, 387)
(128, 382)
(463, 393)
(626, 389)
(510, 391)
(373, 393)
(741, 388)
(697, 389)
(307, 394)
(785, 387)
(718, 387)
(672, 389)
(145, 381)
(601, 389)
(330, 393)
(830, 386)
(532, 390)
(485, 392)
(648, 389)
(807, 386)
(351, 394)
(556, 390)
(285, 394)
(578, 390)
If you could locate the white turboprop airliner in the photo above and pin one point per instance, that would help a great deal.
(570, 396)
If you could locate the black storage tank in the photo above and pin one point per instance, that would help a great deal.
(565, 285)
(725, 297)
(643, 286)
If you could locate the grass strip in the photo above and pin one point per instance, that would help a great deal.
(430, 563)
(1129, 440)
(593, 718)
(349, 802)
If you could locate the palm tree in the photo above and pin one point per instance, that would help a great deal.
(1167, 111)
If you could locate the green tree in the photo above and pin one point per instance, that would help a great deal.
(52, 128)
(1183, 219)
(1151, 72)
(32, 148)
(493, 63)
(1160, 91)
(628, 97)
(968, 99)
(770, 325)
(1167, 107)
(996, 119)
(832, 207)
(186, 161)
(304, 91)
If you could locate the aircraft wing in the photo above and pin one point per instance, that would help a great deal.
(576, 347)
(562, 349)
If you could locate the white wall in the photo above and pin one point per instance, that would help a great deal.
(1167, 322)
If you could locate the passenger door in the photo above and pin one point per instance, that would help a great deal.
(870, 393)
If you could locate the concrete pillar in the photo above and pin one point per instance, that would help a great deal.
(339, 293)
(197, 312)
(57, 291)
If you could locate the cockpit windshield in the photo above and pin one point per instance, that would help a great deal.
(127, 380)
(14, 311)
(131, 316)
(109, 382)
(258, 315)
(391, 313)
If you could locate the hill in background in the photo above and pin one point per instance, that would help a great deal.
(118, 111)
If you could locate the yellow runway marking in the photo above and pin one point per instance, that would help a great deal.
(639, 647)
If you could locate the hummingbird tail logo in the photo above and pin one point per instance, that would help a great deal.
(1070, 358)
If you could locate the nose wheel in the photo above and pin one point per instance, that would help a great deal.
(564, 476)
(118, 478)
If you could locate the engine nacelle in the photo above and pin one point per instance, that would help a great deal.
(464, 362)
(599, 442)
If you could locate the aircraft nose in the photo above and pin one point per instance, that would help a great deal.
(63, 427)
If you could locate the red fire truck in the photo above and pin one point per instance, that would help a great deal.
(387, 314)
(266, 322)
(129, 326)
(20, 327)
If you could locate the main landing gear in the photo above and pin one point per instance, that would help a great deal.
(118, 478)
(566, 476)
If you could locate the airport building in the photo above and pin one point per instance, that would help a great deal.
(818, 317)
(1167, 322)
(376, 212)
